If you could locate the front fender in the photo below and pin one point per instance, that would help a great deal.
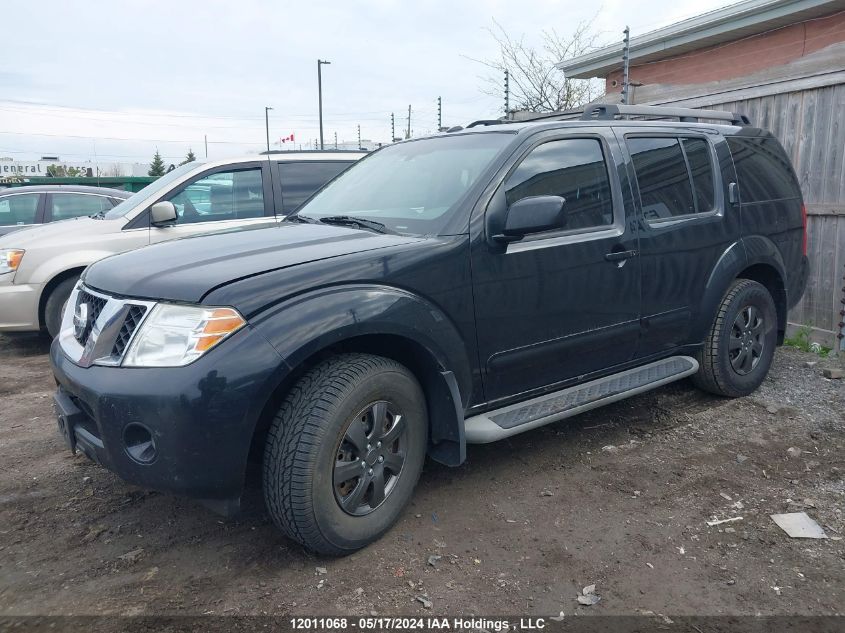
(53, 266)
(304, 325)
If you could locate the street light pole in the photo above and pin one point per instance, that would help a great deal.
(320, 63)
(267, 124)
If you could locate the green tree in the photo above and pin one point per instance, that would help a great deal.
(157, 166)
(190, 158)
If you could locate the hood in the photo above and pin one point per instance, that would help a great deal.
(60, 231)
(187, 269)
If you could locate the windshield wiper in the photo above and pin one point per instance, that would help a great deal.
(351, 220)
(302, 219)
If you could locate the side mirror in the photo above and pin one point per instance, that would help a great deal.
(162, 213)
(533, 215)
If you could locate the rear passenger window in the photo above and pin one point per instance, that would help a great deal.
(18, 209)
(701, 167)
(665, 188)
(763, 170)
(300, 180)
(573, 169)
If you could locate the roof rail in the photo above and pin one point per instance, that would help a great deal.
(486, 122)
(610, 111)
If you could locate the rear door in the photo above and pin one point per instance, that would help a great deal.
(561, 304)
(680, 179)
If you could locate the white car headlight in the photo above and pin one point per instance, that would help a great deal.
(10, 259)
(175, 335)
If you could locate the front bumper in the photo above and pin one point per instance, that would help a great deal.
(200, 418)
(18, 305)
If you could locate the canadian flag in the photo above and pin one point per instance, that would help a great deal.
(285, 139)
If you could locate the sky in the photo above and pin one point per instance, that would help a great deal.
(111, 81)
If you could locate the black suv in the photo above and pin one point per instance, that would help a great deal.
(446, 290)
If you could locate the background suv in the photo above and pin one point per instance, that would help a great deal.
(22, 207)
(459, 288)
(39, 267)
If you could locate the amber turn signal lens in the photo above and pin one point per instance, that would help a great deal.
(217, 326)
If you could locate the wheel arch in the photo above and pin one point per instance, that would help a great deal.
(382, 321)
(50, 286)
(755, 258)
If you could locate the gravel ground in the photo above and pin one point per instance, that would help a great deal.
(619, 497)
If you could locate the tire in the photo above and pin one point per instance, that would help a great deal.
(738, 351)
(333, 404)
(56, 304)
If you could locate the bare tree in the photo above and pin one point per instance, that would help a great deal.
(535, 83)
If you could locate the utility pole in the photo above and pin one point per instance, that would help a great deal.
(439, 114)
(206, 145)
(267, 124)
(408, 133)
(335, 140)
(359, 136)
(507, 94)
(320, 64)
(626, 59)
(392, 128)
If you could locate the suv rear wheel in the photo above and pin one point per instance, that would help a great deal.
(739, 349)
(344, 452)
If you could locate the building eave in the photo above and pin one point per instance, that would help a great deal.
(727, 24)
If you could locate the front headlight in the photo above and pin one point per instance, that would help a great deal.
(10, 259)
(175, 335)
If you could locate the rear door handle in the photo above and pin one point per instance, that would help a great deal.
(616, 256)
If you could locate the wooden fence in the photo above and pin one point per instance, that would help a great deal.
(810, 124)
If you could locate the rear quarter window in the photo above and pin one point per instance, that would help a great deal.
(763, 170)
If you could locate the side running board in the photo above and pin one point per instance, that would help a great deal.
(516, 418)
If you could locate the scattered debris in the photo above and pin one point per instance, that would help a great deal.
(321, 570)
(432, 560)
(321, 583)
(793, 452)
(720, 521)
(133, 556)
(740, 458)
(558, 618)
(547, 493)
(426, 603)
(834, 373)
(681, 550)
(86, 480)
(610, 448)
(588, 596)
(729, 530)
(649, 565)
(725, 495)
(772, 409)
(798, 525)
(811, 363)
(93, 533)
(151, 574)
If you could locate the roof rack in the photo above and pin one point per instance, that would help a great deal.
(607, 111)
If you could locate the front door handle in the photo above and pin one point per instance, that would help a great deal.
(616, 256)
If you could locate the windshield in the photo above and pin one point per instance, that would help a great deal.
(157, 185)
(410, 187)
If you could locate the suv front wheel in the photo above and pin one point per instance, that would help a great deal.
(738, 351)
(344, 452)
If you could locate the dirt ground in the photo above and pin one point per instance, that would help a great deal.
(618, 498)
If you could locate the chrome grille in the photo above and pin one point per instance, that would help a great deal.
(133, 317)
(98, 328)
(95, 306)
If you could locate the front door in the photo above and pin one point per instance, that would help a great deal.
(557, 305)
(227, 197)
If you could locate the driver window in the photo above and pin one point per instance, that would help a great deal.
(229, 195)
(574, 169)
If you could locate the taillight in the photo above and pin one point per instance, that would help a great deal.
(804, 229)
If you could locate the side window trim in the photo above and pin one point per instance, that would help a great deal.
(570, 236)
(718, 208)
